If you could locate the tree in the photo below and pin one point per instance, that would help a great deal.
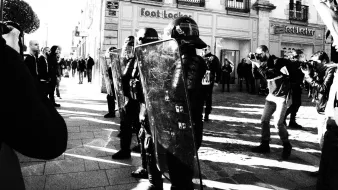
(20, 12)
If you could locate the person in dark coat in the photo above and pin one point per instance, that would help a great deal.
(31, 58)
(212, 76)
(90, 64)
(43, 75)
(243, 75)
(74, 67)
(52, 60)
(81, 68)
(226, 71)
(40, 133)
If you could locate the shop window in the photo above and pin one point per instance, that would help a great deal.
(238, 5)
(298, 12)
(195, 3)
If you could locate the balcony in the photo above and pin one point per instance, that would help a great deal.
(298, 12)
(149, 2)
(194, 3)
(238, 5)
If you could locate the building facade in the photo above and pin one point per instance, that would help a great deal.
(233, 28)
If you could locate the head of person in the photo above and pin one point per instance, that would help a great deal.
(55, 51)
(262, 53)
(14, 36)
(128, 47)
(206, 50)
(45, 51)
(185, 31)
(34, 46)
(243, 60)
(146, 35)
(297, 55)
(319, 59)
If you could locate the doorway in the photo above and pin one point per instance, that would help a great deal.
(233, 56)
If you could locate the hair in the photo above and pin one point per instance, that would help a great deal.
(322, 56)
(264, 48)
(53, 50)
(44, 48)
(243, 60)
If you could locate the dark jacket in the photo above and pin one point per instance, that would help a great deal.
(52, 68)
(39, 133)
(321, 85)
(278, 83)
(74, 64)
(43, 69)
(213, 65)
(31, 63)
(90, 63)
(81, 65)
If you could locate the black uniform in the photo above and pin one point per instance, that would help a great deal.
(212, 75)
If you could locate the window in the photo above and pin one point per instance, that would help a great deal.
(196, 3)
(238, 5)
(298, 12)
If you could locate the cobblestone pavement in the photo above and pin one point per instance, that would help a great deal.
(226, 160)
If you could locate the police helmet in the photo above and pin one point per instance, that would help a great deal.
(146, 35)
(185, 30)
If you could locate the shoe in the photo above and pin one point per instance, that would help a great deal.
(314, 174)
(206, 118)
(153, 187)
(294, 125)
(109, 115)
(140, 173)
(57, 105)
(136, 148)
(121, 154)
(286, 150)
(263, 148)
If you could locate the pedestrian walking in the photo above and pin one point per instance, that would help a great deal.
(90, 64)
(226, 71)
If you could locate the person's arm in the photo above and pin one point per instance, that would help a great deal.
(329, 17)
(218, 70)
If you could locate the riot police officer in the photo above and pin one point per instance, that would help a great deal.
(186, 33)
(129, 113)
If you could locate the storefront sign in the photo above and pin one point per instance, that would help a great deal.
(164, 14)
(294, 30)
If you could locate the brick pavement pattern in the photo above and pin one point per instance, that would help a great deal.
(226, 159)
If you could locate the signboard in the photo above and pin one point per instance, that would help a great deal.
(163, 14)
(112, 13)
(294, 30)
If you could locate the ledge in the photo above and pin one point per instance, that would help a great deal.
(238, 13)
(148, 2)
(191, 7)
(263, 5)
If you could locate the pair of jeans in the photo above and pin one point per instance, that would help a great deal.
(274, 105)
(89, 75)
(80, 77)
(207, 97)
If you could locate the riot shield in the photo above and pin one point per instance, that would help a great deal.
(164, 88)
(116, 69)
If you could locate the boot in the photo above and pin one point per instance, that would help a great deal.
(111, 107)
(286, 150)
(294, 125)
(263, 148)
(121, 154)
(206, 117)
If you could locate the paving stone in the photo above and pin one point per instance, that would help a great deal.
(95, 188)
(73, 129)
(299, 177)
(113, 164)
(77, 180)
(74, 144)
(81, 135)
(64, 166)
(34, 182)
(102, 134)
(32, 168)
(121, 176)
(91, 165)
(91, 128)
(276, 180)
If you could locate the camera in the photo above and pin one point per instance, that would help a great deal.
(251, 55)
(307, 65)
